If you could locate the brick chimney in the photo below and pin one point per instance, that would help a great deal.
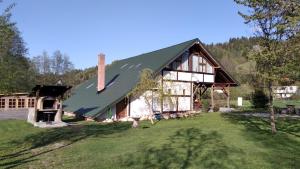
(101, 72)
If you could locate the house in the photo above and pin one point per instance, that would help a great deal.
(186, 68)
(284, 92)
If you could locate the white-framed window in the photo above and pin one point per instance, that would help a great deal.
(21, 103)
(31, 102)
(201, 65)
(2, 103)
(195, 63)
(11, 103)
(185, 61)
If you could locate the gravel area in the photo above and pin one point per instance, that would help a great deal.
(266, 115)
(13, 114)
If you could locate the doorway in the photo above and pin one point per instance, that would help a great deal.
(121, 109)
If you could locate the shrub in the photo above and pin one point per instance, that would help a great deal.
(259, 99)
(216, 108)
(205, 105)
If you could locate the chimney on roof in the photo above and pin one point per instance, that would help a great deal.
(101, 72)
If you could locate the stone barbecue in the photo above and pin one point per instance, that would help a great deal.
(47, 111)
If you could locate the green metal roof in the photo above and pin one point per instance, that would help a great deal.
(120, 78)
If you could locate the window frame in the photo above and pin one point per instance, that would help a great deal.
(21, 103)
(31, 102)
(12, 103)
(202, 64)
(2, 103)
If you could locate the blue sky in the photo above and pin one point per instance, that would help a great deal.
(122, 28)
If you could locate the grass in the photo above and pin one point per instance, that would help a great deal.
(248, 107)
(212, 140)
(283, 103)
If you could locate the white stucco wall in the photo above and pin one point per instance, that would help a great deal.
(140, 106)
(170, 75)
(184, 76)
(197, 77)
(177, 88)
(184, 103)
(209, 78)
(169, 104)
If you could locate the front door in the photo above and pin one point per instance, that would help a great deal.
(121, 109)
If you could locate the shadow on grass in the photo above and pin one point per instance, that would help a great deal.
(186, 148)
(57, 138)
(283, 148)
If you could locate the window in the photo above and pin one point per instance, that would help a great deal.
(131, 66)
(177, 64)
(209, 68)
(138, 65)
(156, 104)
(195, 63)
(124, 66)
(201, 65)
(181, 63)
(31, 102)
(183, 92)
(2, 103)
(185, 61)
(11, 103)
(21, 103)
(89, 86)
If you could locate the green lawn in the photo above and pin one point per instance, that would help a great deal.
(283, 103)
(210, 140)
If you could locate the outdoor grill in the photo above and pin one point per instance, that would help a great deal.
(48, 108)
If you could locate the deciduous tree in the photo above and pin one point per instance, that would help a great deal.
(15, 69)
(276, 23)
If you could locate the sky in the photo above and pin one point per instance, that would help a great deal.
(122, 28)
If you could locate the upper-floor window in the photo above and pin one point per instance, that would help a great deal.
(181, 63)
(201, 65)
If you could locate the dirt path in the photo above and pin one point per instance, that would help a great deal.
(265, 115)
(13, 114)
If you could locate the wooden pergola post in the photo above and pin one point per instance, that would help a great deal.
(228, 96)
(58, 115)
(35, 105)
(212, 97)
(162, 96)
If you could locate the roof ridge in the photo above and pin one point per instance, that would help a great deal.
(142, 54)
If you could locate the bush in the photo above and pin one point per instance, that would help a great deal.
(259, 99)
(205, 105)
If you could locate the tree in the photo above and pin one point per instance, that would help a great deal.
(57, 62)
(54, 68)
(147, 83)
(42, 66)
(61, 63)
(276, 22)
(16, 73)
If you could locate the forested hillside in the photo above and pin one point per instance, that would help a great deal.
(233, 56)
